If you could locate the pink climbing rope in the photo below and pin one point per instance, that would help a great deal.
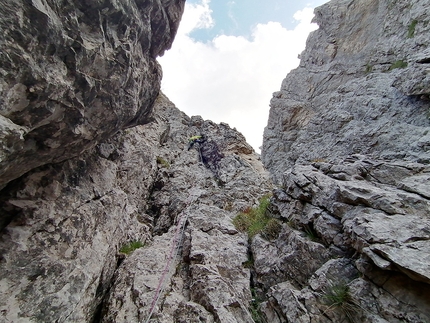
(180, 224)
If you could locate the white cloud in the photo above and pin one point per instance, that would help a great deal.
(231, 79)
(196, 16)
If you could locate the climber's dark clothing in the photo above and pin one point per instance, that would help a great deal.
(209, 153)
(194, 139)
(211, 156)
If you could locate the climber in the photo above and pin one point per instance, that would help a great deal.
(199, 139)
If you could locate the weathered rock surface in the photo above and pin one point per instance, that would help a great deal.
(362, 87)
(208, 282)
(360, 217)
(69, 221)
(74, 73)
(347, 142)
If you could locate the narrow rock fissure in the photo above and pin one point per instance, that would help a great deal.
(424, 61)
(102, 306)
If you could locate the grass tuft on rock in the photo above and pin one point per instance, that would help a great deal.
(338, 298)
(130, 247)
(398, 64)
(257, 220)
(255, 308)
(163, 162)
(411, 28)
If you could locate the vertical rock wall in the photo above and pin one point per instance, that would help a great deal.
(362, 87)
(93, 158)
(347, 142)
(61, 253)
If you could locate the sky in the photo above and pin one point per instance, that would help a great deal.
(229, 57)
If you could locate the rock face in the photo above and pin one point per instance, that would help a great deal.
(74, 73)
(61, 249)
(347, 142)
(208, 282)
(362, 87)
(106, 215)
(356, 224)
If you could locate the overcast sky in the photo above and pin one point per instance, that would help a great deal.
(230, 56)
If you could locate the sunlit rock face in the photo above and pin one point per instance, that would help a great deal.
(75, 72)
(347, 142)
(67, 223)
(362, 87)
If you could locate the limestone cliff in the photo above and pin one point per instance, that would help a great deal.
(107, 216)
(347, 142)
(70, 220)
(362, 87)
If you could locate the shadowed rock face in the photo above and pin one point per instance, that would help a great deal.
(74, 73)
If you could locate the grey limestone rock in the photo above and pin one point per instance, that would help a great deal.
(93, 157)
(208, 281)
(347, 143)
(366, 213)
(361, 87)
(64, 226)
(74, 73)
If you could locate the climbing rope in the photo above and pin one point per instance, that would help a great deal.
(179, 232)
(200, 152)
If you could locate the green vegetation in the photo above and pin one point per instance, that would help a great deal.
(257, 220)
(255, 310)
(256, 313)
(248, 264)
(369, 68)
(130, 247)
(272, 229)
(310, 232)
(398, 64)
(163, 162)
(338, 297)
(411, 28)
(292, 223)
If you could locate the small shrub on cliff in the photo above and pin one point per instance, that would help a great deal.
(257, 220)
(163, 162)
(242, 221)
(398, 64)
(255, 308)
(411, 28)
(272, 229)
(130, 247)
(338, 297)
